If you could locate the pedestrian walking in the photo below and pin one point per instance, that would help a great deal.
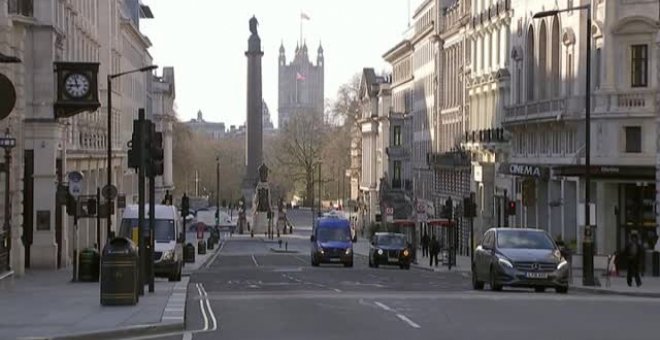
(434, 250)
(634, 257)
(425, 244)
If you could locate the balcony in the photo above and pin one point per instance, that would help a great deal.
(21, 7)
(451, 160)
(485, 136)
(492, 12)
(397, 152)
(549, 109)
(637, 101)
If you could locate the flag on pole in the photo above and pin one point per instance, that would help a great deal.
(304, 16)
(299, 76)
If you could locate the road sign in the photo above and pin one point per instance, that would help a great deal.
(109, 192)
(76, 186)
(389, 214)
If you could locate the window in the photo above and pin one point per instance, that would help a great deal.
(397, 135)
(639, 65)
(598, 66)
(633, 139)
(396, 178)
(22, 7)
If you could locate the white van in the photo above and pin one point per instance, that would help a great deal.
(168, 238)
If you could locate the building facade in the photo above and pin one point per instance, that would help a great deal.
(162, 97)
(546, 119)
(301, 84)
(213, 130)
(41, 33)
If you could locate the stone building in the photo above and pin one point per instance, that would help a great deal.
(41, 33)
(301, 84)
(213, 130)
(164, 116)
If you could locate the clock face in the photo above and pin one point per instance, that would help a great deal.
(76, 85)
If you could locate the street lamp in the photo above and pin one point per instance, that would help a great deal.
(217, 189)
(7, 142)
(587, 245)
(109, 139)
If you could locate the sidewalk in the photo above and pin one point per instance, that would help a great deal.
(618, 286)
(361, 247)
(45, 304)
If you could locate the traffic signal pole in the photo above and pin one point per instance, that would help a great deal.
(141, 198)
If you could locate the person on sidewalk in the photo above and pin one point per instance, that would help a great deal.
(434, 250)
(634, 256)
(425, 245)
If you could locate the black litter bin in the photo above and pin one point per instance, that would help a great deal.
(201, 247)
(189, 253)
(88, 265)
(119, 273)
(209, 242)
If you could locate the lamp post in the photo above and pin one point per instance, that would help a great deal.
(7, 142)
(217, 189)
(109, 139)
(587, 244)
(319, 206)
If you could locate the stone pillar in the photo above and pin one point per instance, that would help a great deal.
(254, 135)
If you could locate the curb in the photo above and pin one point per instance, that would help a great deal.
(204, 264)
(602, 291)
(284, 251)
(173, 320)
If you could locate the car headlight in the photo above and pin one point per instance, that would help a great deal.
(505, 262)
(562, 264)
(321, 251)
(406, 252)
(168, 255)
(380, 252)
(348, 251)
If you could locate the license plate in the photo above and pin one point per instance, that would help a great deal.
(536, 275)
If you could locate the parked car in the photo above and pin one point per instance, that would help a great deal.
(517, 257)
(389, 248)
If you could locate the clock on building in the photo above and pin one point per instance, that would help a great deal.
(77, 88)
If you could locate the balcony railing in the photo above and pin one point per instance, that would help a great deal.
(485, 136)
(526, 110)
(642, 101)
(21, 7)
(397, 152)
(492, 12)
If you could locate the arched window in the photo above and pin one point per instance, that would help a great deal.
(530, 64)
(543, 61)
(555, 70)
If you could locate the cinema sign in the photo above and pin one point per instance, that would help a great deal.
(524, 170)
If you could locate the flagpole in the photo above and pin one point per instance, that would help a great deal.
(301, 36)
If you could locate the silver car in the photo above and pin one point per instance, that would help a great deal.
(517, 257)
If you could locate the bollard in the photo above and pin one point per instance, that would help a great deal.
(201, 247)
(280, 243)
(286, 245)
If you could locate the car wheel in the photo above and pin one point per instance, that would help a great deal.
(314, 262)
(562, 290)
(348, 264)
(370, 263)
(375, 264)
(476, 284)
(539, 289)
(406, 266)
(493, 284)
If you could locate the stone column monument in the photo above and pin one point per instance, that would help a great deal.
(254, 135)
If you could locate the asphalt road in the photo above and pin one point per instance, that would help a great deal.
(250, 292)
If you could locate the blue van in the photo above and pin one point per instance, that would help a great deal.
(332, 242)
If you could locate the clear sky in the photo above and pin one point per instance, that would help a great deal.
(205, 41)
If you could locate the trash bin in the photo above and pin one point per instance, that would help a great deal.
(201, 247)
(88, 265)
(189, 253)
(119, 273)
(209, 242)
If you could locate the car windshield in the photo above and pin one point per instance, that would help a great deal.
(521, 239)
(391, 240)
(163, 229)
(334, 234)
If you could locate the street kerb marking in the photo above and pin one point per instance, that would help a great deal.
(215, 256)
(201, 307)
(255, 261)
(383, 306)
(210, 310)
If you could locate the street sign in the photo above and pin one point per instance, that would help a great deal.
(76, 186)
(389, 214)
(109, 192)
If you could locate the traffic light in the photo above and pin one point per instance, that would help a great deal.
(71, 205)
(469, 207)
(185, 206)
(134, 146)
(511, 208)
(91, 206)
(448, 209)
(155, 154)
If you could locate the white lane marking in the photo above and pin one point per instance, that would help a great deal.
(337, 290)
(301, 259)
(255, 261)
(201, 307)
(210, 310)
(215, 256)
(383, 306)
(408, 321)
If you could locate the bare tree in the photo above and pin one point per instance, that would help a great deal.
(299, 149)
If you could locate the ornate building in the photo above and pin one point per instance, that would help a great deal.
(301, 84)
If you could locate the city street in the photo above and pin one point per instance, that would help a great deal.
(250, 292)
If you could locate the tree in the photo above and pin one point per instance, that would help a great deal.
(299, 149)
(347, 104)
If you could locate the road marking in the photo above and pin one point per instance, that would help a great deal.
(215, 256)
(383, 306)
(210, 310)
(337, 290)
(255, 261)
(408, 321)
(201, 307)
(300, 259)
(187, 336)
